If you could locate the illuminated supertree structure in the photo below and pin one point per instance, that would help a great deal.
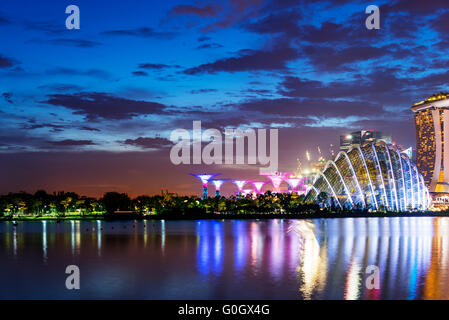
(293, 182)
(218, 183)
(302, 187)
(240, 184)
(205, 180)
(258, 185)
(276, 179)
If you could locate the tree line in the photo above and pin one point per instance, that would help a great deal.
(64, 203)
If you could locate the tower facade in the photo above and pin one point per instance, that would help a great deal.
(432, 141)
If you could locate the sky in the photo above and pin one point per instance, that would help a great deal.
(92, 110)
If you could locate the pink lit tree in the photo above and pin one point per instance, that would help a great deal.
(294, 182)
(258, 185)
(276, 179)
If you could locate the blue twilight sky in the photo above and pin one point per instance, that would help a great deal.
(111, 92)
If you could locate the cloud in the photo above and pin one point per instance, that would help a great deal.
(329, 58)
(4, 20)
(85, 128)
(206, 11)
(5, 62)
(32, 125)
(18, 140)
(441, 25)
(235, 12)
(381, 85)
(375, 83)
(148, 143)
(7, 96)
(95, 73)
(285, 22)
(79, 43)
(286, 107)
(156, 66)
(72, 143)
(140, 73)
(61, 87)
(352, 31)
(96, 105)
(204, 38)
(259, 92)
(143, 32)
(210, 46)
(275, 58)
(199, 91)
(416, 6)
(50, 28)
(327, 32)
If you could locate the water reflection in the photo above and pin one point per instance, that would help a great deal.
(293, 259)
(99, 229)
(44, 240)
(15, 241)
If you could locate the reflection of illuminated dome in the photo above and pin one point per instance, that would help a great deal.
(376, 177)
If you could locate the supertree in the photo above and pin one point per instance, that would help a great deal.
(276, 179)
(240, 184)
(205, 177)
(246, 192)
(218, 183)
(294, 182)
(258, 185)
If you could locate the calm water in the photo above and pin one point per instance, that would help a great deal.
(275, 259)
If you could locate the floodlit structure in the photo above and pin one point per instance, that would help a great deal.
(375, 176)
(258, 185)
(294, 183)
(218, 183)
(432, 141)
(276, 179)
(240, 184)
(205, 180)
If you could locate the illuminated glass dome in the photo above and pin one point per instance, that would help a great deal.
(375, 176)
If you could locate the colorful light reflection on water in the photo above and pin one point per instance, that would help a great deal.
(232, 259)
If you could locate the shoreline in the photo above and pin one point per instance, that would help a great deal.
(229, 216)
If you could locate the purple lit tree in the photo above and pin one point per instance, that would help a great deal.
(218, 183)
(205, 177)
(240, 184)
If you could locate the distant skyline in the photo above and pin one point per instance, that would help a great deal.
(91, 110)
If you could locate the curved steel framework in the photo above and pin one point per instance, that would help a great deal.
(376, 177)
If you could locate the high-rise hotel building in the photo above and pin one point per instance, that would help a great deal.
(432, 141)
